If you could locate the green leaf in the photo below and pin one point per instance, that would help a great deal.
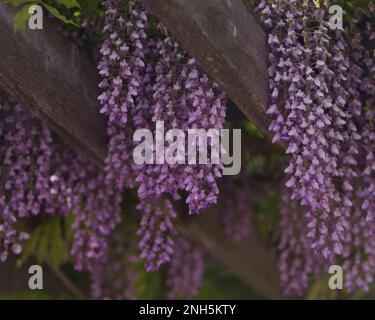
(59, 16)
(69, 231)
(21, 18)
(89, 6)
(29, 247)
(93, 5)
(57, 244)
(43, 245)
(68, 3)
(148, 285)
(18, 2)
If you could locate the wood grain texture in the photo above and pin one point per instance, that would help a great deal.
(230, 45)
(58, 83)
(55, 80)
(250, 260)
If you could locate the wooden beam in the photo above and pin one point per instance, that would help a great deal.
(230, 45)
(58, 83)
(249, 259)
(55, 80)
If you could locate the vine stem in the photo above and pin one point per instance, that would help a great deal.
(66, 281)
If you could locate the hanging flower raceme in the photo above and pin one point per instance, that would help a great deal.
(113, 277)
(121, 64)
(321, 87)
(297, 262)
(32, 177)
(182, 98)
(299, 41)
(185, 271)
(145, 80)
(43, 175)
(96, 210)
(157, 232)
(123, 69)
(236, 208)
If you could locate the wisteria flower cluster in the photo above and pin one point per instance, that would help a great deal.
(148, 79)
(236, 211)
(42, 175)
(322, 108)
(114, 276)
(186, 269)
(146, 76)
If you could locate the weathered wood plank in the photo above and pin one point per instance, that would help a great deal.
(249, 259)
(230, 45)
(55, 80)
